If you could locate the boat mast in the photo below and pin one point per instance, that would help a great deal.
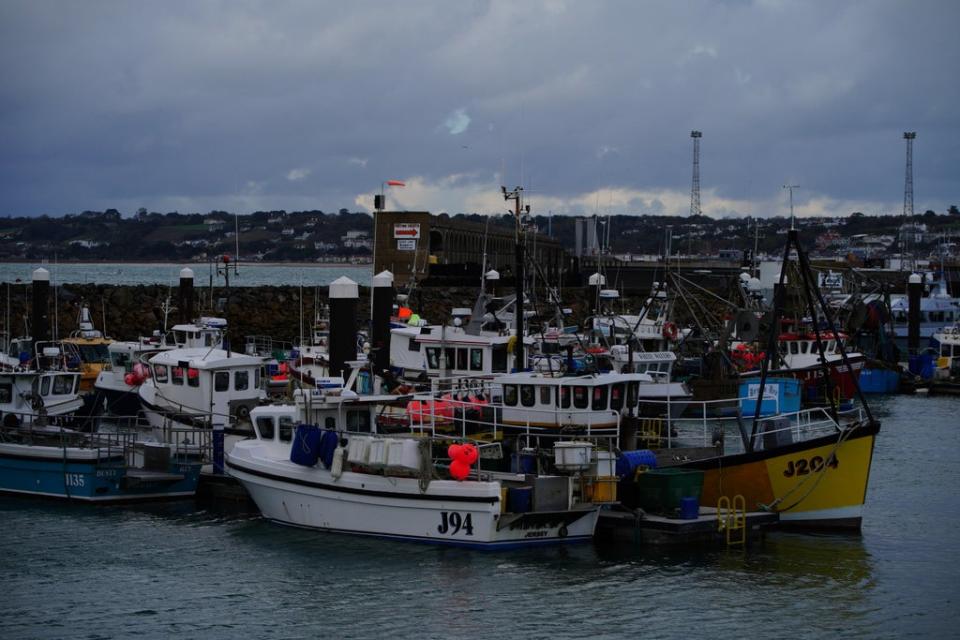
(517, 195)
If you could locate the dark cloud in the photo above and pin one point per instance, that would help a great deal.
(246, 105)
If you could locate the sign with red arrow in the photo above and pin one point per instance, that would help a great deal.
(406, 230)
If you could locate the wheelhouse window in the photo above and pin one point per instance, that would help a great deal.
(413, 345)
(265, 427)
(450, 354)
(794, 348)
(510, 395)
(462, 359)
(193, 377)
(160, 373)
(616, 396)
(433, 357)
(6, 393)
(600, 397)
(256, 378)
(528, 396)
(499, 363)
(358, 421)
(241, 380)
(62, 385)
(476, 359)
(546, 395)
(633, 393)
(286, 428)
(563, 397)
(221, 381)
(581, 397)
(176, 375)
(120, 360)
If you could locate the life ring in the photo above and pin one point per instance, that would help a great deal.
(670, 331)
(243, 412)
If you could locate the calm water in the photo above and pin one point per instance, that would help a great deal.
(250, 275)
(155, 572)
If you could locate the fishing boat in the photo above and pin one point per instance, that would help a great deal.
(118, 382)
(812, 466)
(937, 308)
(90, 348)
(51, 461)
(334, 472)
(202, 388)
(37, 385)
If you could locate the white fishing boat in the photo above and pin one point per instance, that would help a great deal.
(37, 384)
(326, 475)
(202, 388)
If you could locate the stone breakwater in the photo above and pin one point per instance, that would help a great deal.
(128, 312)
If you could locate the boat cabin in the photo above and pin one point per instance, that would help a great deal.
(449, 351)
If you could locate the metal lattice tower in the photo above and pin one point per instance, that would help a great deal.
(695, 189)
(909, 136)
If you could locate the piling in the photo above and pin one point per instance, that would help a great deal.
(344, 294)
(382, 307)
(914, 293)
(40, 318)
(185, 304)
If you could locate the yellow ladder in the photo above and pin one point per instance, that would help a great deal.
(649, 433)
(732, 519)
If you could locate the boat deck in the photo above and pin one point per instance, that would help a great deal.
(646, 528)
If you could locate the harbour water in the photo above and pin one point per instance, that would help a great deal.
(163, 570)
(248, 275)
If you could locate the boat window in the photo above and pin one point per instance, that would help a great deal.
(193, 377)
(76, 384)
(462, 359)
(241, 380)
(510, 395)
(160, 373)
(207, 340)
(6, 393)
(794, 348)
(221, 381)
(633, 393)
(256, 378)
(62, 385)
(528, 396)
(450, 354)
(286, 428)
(546, 395)
(413, 345)
(120, 360)
(433, 358)
(804, 346)
(45, 386)
(616, 396)
(580, 397)
(564, 398)
(265, 427)
(600, 397)
(176, 375)
(476, 359)
(358, 421)
(499, 364)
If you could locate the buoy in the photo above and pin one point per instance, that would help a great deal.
(670, 331)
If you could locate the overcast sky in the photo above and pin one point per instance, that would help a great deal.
(246, 105)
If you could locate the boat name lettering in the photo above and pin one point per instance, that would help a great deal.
(106, 473)
(535, 534)
(74, 479)
(804, 466)
(453, 523)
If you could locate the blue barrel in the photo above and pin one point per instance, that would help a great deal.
(519, 499)
(689, 508)
(306, 445)
(328, 444)
(524, 462)
(628, 461)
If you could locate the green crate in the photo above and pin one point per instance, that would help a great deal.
(662, 489)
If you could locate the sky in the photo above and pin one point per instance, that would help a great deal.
(243, 105)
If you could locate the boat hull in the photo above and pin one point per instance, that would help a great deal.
(390, 507)
(798, 480)
(80, 474)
